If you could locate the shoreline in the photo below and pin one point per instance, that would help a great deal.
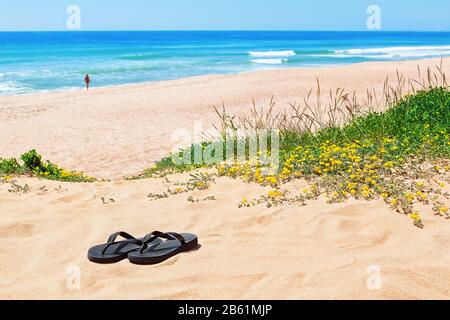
(117, 131)
(148, 83)
(212, 75)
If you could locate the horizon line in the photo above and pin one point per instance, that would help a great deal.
(225, 30)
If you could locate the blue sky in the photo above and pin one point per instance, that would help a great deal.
(417, 15)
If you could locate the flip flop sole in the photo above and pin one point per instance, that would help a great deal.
(94, 254)
(118, 252)
(106, 260)
(155, 256)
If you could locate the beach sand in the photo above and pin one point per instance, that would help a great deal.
(324, 251)
(320, 251)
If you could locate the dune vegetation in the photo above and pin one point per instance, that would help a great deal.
(31, 163)
(401, 156)
(396, 148)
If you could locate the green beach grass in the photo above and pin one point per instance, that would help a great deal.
(400, 155)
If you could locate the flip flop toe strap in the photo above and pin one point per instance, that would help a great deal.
(128, 239)
(177, 236)
(157, 234)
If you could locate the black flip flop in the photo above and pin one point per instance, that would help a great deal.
(154, 254)
(114, 251)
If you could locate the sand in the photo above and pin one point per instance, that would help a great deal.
(320, 251)
(354, 250)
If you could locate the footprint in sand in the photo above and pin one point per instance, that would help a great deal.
(69, 199)
(17, 230)
(351, 226)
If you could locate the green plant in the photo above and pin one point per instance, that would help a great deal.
(33, 164)
(9, 166)
(32, 160)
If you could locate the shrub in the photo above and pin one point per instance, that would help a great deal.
(32, 160)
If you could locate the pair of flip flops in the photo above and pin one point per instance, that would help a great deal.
(154, 248)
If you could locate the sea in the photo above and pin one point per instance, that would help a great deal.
(47, 61)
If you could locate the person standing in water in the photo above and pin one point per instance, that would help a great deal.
(87, 80)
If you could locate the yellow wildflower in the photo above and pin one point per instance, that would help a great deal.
(275, 194)
(415, 216)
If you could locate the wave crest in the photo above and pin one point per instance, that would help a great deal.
(262, 54)
(395, 52)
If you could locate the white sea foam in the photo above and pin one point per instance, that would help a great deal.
(395, 52)
(11, 87)
(269, 61)
(14, 88)
(262, 54)
(27, 73)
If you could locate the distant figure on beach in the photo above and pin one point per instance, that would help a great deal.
(87, 80)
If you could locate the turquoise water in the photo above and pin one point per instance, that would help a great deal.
(43, 61)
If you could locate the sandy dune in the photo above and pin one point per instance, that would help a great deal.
(116, 131)
(318, 251)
